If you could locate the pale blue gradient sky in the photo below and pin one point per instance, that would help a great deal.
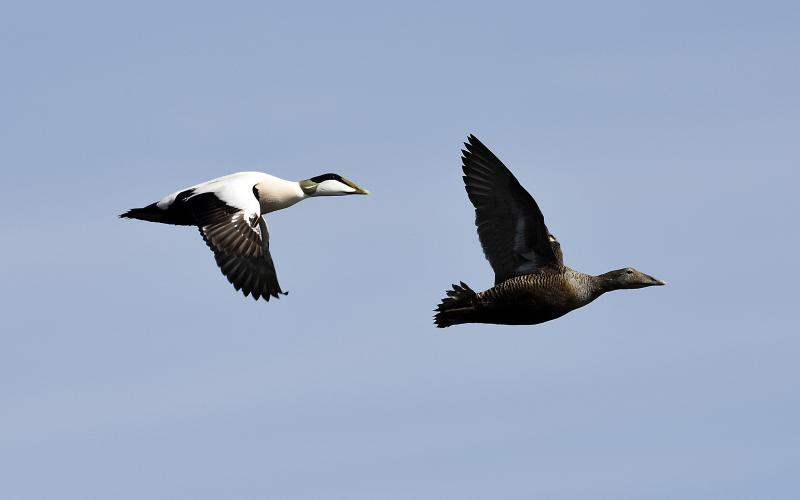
(661, 136)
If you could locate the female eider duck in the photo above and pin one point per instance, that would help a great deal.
(532, 284)
(228, 213)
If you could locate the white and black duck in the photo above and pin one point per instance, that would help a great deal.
(532, 284)
(228, 211)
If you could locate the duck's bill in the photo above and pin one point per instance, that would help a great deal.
(358, 189)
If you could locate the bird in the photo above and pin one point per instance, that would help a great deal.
(228, 211)
(532, 285)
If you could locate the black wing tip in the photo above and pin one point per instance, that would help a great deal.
(476, 155)
(263, 295)
(256, 292)
(473, 142)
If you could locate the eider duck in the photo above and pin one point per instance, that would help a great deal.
(228, 213)
(532, 285)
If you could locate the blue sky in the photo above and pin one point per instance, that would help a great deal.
(662, 136)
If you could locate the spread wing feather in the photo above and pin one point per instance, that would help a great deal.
(510, 224)
(240, 243)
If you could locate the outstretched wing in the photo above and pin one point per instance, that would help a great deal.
(240, 241)
(510, 225)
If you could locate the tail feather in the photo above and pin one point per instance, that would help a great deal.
(457, 307)
(149, 213)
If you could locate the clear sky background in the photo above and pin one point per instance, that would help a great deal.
(662, 136)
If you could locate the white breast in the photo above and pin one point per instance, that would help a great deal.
(276, 194)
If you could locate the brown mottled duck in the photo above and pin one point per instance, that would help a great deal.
(532, 285)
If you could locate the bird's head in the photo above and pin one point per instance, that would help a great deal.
(330, 185)
(628, 278)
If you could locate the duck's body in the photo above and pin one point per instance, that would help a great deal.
(234, 190)
(228, 211)
(532, 284)
(525, 300)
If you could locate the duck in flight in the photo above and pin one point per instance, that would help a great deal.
(228, 213)
(532, 285)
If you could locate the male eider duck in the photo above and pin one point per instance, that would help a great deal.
(532, 285)
(228, 213)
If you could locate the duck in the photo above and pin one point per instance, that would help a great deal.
(532, 285)
(229, 214)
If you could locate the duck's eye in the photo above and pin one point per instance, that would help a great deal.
(629, 271)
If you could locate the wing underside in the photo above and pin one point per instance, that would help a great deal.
(240, 242)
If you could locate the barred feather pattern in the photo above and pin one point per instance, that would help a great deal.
(521, 300)
(563, 288)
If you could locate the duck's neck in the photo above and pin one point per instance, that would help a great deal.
(275, 193)
(587, 287)
(607, 282)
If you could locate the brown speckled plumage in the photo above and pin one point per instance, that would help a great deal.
(532, 284)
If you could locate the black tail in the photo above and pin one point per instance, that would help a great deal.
(149, 213)
(177, 215)
(457, 307)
